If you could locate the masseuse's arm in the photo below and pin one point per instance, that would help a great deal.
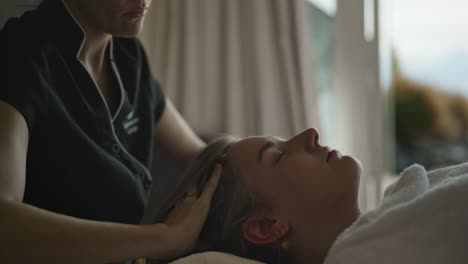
(175, 136)
(33, 235)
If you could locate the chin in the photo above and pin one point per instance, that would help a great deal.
(127, 30)
(127, 33)
(352, 166)
(358, 165)
(353, 170)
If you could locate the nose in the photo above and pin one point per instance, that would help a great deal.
(308, 139)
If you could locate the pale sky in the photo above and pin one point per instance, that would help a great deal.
(329, 6)
(431, 40)
(429, 36)
(430, 29)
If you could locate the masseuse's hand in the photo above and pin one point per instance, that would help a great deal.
(186, 220)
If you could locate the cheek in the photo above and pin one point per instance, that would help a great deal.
(290, 185)
(306, 182)
(106, 17)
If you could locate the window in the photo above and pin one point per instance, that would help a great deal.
(322, 40)
(431, 84)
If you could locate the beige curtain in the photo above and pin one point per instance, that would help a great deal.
(235, 66)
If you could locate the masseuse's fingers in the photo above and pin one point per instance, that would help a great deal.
(186, 205)
(192, 192)
(186, 220)
(212, 184)
(202, 205)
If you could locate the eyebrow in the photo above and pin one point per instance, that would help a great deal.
(262, 150)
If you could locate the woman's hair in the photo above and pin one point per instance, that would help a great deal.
(231, 205)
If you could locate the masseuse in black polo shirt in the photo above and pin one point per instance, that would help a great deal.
(79, 111)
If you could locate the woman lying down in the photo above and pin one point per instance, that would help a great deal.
(296, 201)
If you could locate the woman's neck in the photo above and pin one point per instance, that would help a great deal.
(93, 50)
(313, 241)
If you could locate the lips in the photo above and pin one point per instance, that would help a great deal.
(137, 13)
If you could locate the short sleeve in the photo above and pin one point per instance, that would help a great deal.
(22, 85)
(159, 99)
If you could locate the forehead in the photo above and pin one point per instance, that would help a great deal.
(244, 154)
(250, 146)
(243, 157)
(246, 148)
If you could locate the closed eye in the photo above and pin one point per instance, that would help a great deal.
(279, 156)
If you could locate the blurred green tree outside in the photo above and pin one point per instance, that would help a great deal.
(431, 126)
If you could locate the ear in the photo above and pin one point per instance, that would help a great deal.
(261, 230)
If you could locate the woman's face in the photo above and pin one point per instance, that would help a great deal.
(116, 17)
(298, 176)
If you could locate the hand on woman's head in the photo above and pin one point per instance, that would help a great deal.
(186, 220)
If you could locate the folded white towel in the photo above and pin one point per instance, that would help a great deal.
(423, 219)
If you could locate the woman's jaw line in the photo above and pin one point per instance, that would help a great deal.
(312, 237)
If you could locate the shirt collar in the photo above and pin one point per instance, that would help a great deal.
(64, 27)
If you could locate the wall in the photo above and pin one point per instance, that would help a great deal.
(322, 41)
(359, 101)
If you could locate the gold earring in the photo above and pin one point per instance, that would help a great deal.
(285, 241)
(285, 244)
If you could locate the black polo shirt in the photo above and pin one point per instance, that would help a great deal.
(81, 161)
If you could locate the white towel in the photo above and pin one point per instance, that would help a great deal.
(423, 219)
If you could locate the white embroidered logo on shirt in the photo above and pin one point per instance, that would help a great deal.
(131, 124)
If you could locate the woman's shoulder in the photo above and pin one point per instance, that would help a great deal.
(24, 36)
